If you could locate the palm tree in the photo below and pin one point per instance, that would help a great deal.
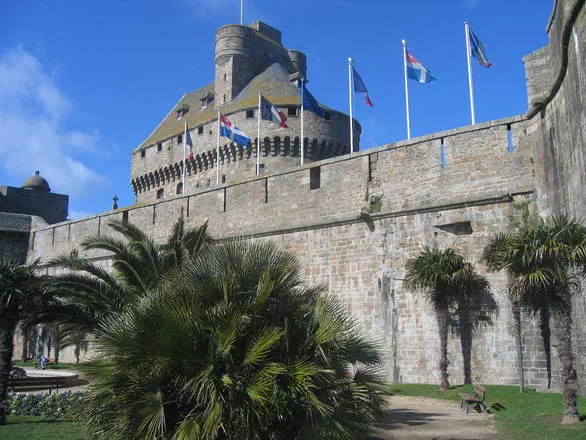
(447, 280)
(544, 261)
(19, 299)
(138, 263)
(233, 345)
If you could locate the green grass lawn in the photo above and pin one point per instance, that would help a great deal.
(41, 428)
(528, 416)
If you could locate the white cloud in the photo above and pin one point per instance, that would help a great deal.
(32, 132)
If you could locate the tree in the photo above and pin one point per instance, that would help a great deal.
(138, 263)
(544, 261)
(233, 345)
(19, 299)
(448, 281)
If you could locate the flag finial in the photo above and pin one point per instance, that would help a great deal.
(404, 43)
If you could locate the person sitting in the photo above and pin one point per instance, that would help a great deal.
(44, 362)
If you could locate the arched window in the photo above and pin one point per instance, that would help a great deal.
(160, 194)
(179, 188)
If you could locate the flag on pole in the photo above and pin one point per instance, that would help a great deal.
(310, 103)
(416, 70)
(477, 50)
(230, 131)
(360, 87)
(188, 142)
(269, 112)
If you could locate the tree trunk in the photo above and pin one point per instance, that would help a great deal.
(442, 323)
(569, 376)
(7, 328)
(516, 308)
(546, 336)
(57, 351)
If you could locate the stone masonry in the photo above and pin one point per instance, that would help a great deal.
(369, 212)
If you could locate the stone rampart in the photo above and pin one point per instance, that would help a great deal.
(370, 212)
(556, 78)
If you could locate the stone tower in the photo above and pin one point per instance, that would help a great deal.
(248, 60)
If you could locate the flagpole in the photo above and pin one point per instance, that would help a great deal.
(470, 84)
(241, 12)
(258, 138)
(184, 158)
(350, 93)
(302, 122)
(218, 152)
(406, 90)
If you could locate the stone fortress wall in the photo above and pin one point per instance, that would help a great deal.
(556, 83)
(355, 220)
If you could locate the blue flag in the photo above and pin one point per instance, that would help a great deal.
(360, 87)
(478, 51)
(310, 103)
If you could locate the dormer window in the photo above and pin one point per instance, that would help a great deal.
(207, 100)
(182, 111)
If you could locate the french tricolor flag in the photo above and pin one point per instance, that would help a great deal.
(416, 70)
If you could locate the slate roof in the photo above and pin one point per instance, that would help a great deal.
(274, 83)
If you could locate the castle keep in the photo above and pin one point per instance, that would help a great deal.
(356, 219)
(248, 60)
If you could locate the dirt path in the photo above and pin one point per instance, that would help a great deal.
(418, 418)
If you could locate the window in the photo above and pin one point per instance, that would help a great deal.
(209, 182)
(159, 146)
(179, 188)
(200, 130)
(292, 111)
(249, 114)
(223, 178)
(327, 116)
(225, 76)
(314, 178)
(180, 139)
(224, 98)
(160, 194)
(125, 217)
(143, 153)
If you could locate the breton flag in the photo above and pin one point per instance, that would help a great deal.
(416, 70)
(360, 87)
(269, 112)
(310, 103)
(230, 131)
(477, 50)
(188, 142)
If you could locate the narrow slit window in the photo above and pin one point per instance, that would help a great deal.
(510, 145)
(159, 146)
(314, 178)
(249, 114)
(200, 130)
(180, 139)
(291, 111)
(160, 194)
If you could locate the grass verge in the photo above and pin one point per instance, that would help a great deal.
(41, 428)
(527, 416)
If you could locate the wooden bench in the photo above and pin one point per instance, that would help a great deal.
(474, 400)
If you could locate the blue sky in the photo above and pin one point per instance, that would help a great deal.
(83, 83)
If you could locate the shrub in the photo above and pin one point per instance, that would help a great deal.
(44, 405)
